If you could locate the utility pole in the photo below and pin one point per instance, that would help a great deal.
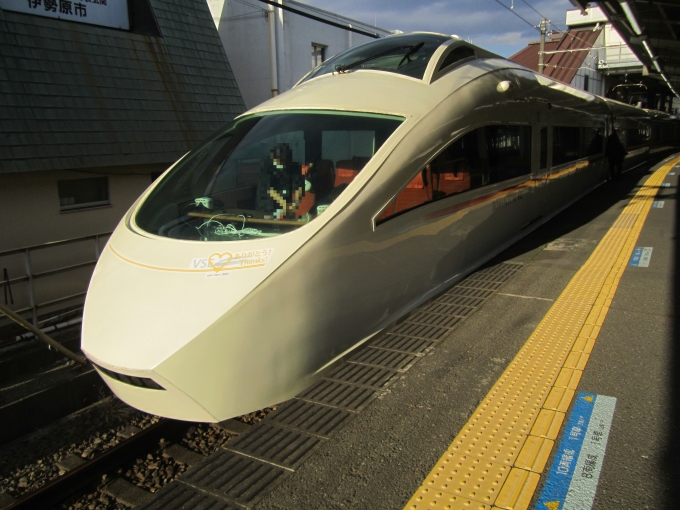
(541, 48)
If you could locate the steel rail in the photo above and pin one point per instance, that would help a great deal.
(57, 490)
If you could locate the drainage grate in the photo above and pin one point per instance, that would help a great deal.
(478, 284)
(386, 359)
(335, 393)
(443, 321)
(178, 496)
(418, 331)
(310, 417)
(501, 272)
(462, 291)
(444, 309)
(284, 447)
(406, 343)
(363, 374)
(460, 300)
(239, 478)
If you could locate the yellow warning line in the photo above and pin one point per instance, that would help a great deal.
(496, 459)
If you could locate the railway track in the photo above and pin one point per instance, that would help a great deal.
(79, 478)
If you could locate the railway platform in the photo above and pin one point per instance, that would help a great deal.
(548, 379)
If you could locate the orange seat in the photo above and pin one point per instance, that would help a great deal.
(305, 205)
(344, 176)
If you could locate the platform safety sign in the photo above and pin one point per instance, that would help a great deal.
(573, 478)
(642, 255)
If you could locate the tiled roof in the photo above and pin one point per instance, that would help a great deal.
(560, 66)
(79, 96)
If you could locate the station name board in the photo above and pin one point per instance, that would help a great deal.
(107, 13)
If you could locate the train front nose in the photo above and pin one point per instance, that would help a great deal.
(139, 316)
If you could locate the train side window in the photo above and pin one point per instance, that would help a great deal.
(566, 144)
(544, 148)
(462, 166)
(509, 150)
(593, 140)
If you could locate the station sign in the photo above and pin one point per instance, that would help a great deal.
(107, 13)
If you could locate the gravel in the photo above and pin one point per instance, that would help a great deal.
(30, 462)
(37, 473)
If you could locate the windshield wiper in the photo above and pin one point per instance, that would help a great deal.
(412, 49)
(409, 53)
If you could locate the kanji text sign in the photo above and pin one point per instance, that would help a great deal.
(108, 13)
(573, 478)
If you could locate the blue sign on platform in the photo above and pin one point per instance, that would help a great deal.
(573, 478)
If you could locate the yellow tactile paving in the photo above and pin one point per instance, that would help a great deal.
(468, 477)
(548, 424)
(430, 498)
(569, 378)
(534, 454)
(495, 460)
(517, 490)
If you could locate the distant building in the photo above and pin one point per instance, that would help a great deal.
(592, 56)
(97, 99)
(270, 48)
(572, 57)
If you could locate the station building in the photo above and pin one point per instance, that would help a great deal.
(272, 48)
(592, 56)
(97, 99)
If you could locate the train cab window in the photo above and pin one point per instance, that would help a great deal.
(485, 156)
(456, 55)
(264, 175)
(406, 54)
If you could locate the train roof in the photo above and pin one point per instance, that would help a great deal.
(373, 78)
(380, 89)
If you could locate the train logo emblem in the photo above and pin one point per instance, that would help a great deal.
(221, 261)
(219, 264)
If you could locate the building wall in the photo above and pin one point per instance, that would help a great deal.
(244, 30)
(29, 204)
(590, 69)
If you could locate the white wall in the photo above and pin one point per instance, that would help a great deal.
(244, 30)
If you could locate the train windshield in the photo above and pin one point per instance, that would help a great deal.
(264, 175)
(403, 54)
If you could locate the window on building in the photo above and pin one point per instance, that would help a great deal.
(485, 156)
(318, 54)
(83, 193)
(585, 82)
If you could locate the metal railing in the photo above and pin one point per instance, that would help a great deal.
(30, 276)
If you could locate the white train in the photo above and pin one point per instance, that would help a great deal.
(312, 222)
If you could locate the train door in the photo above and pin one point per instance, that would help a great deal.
(577, 162)
(542, 149)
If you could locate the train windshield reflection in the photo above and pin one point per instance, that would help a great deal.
(264, 175)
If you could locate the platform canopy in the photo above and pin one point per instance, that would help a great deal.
(652, 31)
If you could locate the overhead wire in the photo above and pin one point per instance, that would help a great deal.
(512, 11)
(542, 16)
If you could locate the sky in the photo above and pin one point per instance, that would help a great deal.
(484, 22)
